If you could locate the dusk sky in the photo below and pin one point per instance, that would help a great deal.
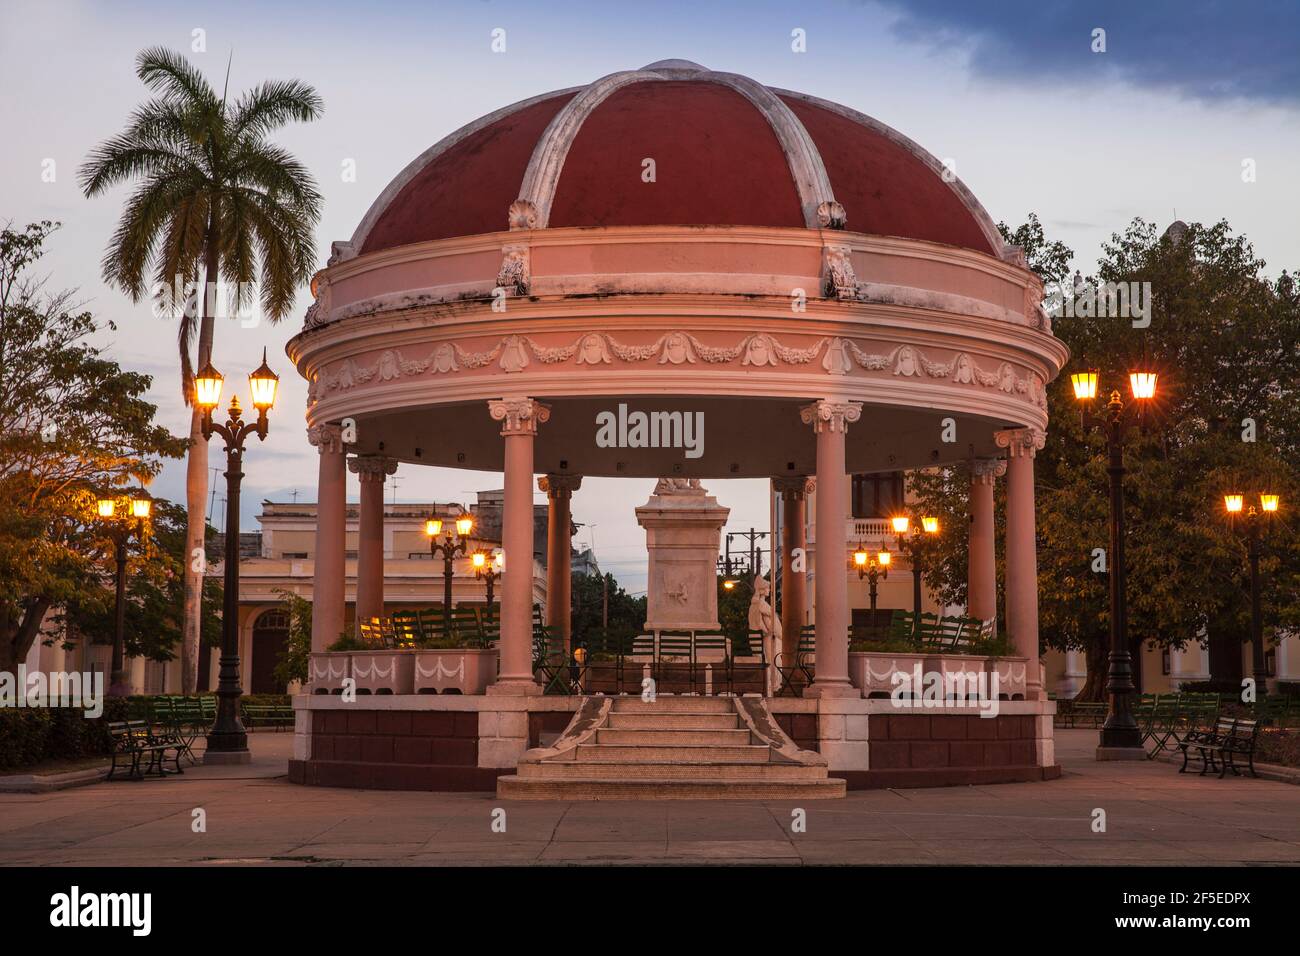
(1158, 125)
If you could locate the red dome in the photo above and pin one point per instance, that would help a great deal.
(725, 151)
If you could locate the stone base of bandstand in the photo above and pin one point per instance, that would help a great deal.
(463, 743)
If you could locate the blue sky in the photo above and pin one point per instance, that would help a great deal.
(1010, 92)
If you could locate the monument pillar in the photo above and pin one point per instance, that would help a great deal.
(683, 529)
(794, 537)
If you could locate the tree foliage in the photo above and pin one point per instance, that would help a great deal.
(73, 426)
(1225, 340)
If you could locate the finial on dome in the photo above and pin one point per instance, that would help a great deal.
(685, 66)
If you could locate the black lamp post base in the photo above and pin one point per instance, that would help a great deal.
(1122, 742)
(227, 749)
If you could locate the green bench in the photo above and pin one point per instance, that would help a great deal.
(134, 740)
(278, 716)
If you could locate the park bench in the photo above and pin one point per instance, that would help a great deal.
(1231, 737)
(713, 650)
(278, 716)
(185, 720)
(135, 739)
(1092, 712)
(749, 661)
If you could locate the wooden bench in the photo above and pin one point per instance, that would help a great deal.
(278, 716)
(133, 740)
(1230, 738)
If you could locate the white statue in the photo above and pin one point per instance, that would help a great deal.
(679, 486)
(764, 620)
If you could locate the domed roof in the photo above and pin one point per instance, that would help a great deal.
(675, 144)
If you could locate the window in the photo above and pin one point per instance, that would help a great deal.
(293, 554)
(877, 496)
(1165, 667)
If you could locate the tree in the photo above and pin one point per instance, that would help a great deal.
(73, 425)
(213, 192)
(1225, 340)
(626, 613)
(154, 592)
(292, 664)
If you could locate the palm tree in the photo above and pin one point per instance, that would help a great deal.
(212, 192)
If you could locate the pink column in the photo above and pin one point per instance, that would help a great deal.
(559, 545)
(1022, 557)
(794, 536)
(328, 599)
(520, 418)
(982, 579)
(370, 537)
(830, 421)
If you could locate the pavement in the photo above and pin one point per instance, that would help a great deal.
(252, 815)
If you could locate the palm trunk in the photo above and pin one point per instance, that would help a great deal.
(196, 493)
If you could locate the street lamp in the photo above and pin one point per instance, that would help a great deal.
(452, 544)
(915, 548)
(1254, 520)
(119, 529)
(227, 740)
(873, 568)
(1120, 732)
(487, 567)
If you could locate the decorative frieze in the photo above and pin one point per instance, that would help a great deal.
(840, 356)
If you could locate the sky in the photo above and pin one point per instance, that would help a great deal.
(1012, 94)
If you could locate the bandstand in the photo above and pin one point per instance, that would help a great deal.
(815, 288)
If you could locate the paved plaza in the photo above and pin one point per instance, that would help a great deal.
(254, 816)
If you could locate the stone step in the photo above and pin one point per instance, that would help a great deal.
(666, 770)
(673, 721)
(700, 788)
(758, 753)
(668, 703)
(672, 737)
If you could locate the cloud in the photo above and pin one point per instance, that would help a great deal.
(1204, 51)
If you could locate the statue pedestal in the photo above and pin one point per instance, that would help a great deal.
(683, 531)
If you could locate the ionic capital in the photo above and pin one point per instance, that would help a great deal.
(984, 470)
(559, 486)
(372, 467)
(326, 438)
(1021, 442)
(519, 416)
(794, 487)
(828, 416)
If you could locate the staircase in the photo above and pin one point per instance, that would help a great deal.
(672, 748)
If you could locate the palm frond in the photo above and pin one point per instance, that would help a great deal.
(170, 74)
(273, 104)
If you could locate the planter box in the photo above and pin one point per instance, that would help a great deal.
(383, 672)
(458, 670)
(872, 672)
(326, 671)
(1012, 674)
(963, 670)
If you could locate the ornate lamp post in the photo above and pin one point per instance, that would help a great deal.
(452, 544)
(873, 568)
(487, 568)
(915, 548)
(1120, 733)
(119, 529)
(227, 741)
(1254, 530)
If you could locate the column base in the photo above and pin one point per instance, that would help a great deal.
(1121, 753)
(820, 689)
(514, 688)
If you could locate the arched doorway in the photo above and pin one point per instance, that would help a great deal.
(270, 638)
